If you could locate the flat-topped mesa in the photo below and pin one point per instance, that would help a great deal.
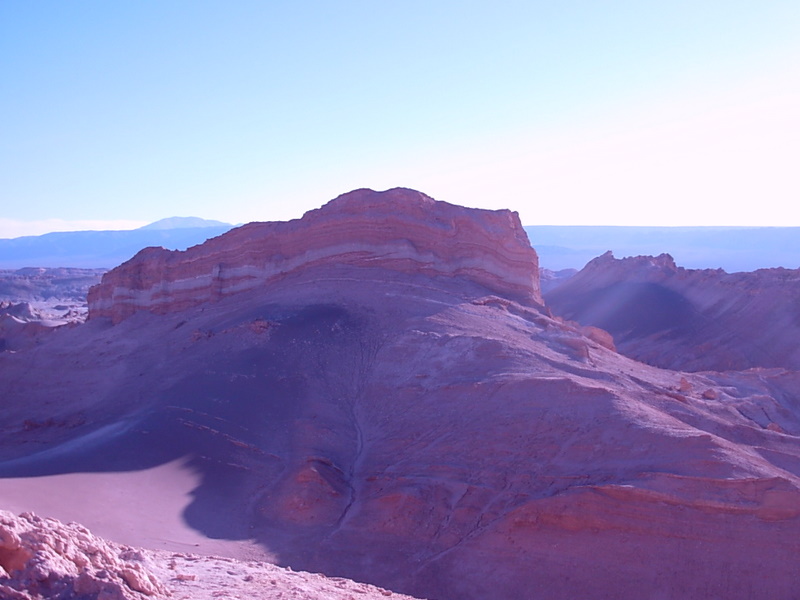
(399, 230)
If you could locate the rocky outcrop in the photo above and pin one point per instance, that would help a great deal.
(57, 295)
(22, 325)
(21, 311)
(67, 285)
(687, 319)
(45, 559)
(398, 230)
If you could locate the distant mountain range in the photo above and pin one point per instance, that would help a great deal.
(105, 249)
(559, 247)
(733, 249)
(184, 223)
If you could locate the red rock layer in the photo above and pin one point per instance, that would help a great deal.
(399, 229)
(687, 319)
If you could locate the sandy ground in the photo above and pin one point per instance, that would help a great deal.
(205, 578)
(127, 517)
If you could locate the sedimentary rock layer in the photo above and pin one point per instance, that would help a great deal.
(399, 230)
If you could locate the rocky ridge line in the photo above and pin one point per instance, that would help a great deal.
(687, 319)
(399, 229)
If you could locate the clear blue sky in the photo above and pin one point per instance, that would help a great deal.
(575, 112)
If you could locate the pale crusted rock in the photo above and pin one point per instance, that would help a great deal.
(8, 593)
(47, 560)
(43, 558)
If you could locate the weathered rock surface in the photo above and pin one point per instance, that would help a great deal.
(425, 426)
(399, 229)
(22, 325)
(36, 284)
(686, 319)
(34, 301)
(43, 559)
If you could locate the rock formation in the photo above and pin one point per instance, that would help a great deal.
(375, 392)
(61, 285)
(399, 230)
(551, 279)
(43, 559)
(22, 325)
(52, 296)
(686, 319)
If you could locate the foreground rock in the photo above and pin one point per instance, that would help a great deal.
(43, 559)
(686, 319)
(398, 408)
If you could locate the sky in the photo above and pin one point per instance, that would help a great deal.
(578, 112)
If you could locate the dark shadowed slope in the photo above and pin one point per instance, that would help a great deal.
(687, 319)
(393, 404)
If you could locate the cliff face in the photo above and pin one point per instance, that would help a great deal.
(398, 230)
(687, 319)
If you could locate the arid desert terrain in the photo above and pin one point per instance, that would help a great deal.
(380, 392)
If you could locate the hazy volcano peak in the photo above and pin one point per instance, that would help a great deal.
(183, 223)
(399, 230)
